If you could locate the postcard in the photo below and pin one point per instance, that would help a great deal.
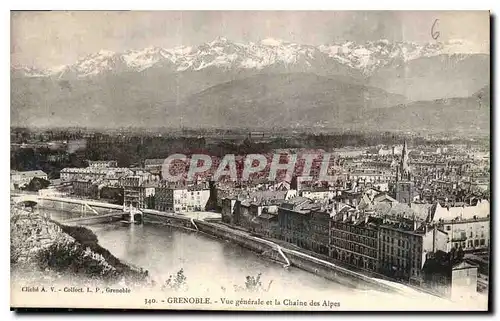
(250, 160)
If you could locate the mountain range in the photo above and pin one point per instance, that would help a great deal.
(224, 83)
(459, 114)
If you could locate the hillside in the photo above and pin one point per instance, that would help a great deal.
(465, 115)
(39, 244)
(429, 78)
(282, 100)
(130, 98)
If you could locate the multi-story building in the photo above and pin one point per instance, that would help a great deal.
(305, 223)
(154, 165)
(354, 238)
(266, 223)
(404, 244)
(320, 235)
(85, 188)
(20, 178)
(451, 276)
(102, 164)
(292, 217)
(242, 207)
(317, 193)
(181, 199)
(93, 173)
(138, 190)
(468, 227)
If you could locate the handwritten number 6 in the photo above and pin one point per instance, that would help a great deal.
(434, 34)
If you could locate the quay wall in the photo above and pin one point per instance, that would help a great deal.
(215, 230)
(333, 272)
(174, 220)
(241, 239)
(302, 261)
(89, 220)
(268, 249)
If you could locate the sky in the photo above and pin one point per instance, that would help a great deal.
(49, 39)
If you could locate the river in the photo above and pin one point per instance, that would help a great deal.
(207, 262)
(210, 264)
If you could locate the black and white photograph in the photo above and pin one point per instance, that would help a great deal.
(250, 160)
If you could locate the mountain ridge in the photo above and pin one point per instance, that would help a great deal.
(222, 53)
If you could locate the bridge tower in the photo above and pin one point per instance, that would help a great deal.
(132, 211)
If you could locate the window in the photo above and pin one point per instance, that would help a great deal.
(448, 228)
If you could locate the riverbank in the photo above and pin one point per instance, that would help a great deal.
(281, 254)
(277, 251)
(39, 244)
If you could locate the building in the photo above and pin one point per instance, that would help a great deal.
(266, 224)
(449, 275)
(242, 206)
(405, 192)
(318, 193)
(468, 227)
(354, 238)
(85, 188)
(228, 210)
(102, 164)
(320, 231)
(304, 223)
(138, 190)
(181, 199)
(154, 165)
(404, 244)
(404, 188)
(94, 173)
(19, 179)
(372, 197)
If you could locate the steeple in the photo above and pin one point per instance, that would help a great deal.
(405, 168)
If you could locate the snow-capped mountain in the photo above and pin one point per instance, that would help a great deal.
(29, 71)
(375, 54)
(224, 54)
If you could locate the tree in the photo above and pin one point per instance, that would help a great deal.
(253, 284)
(175, 282)
(29, 204)
(36, 184)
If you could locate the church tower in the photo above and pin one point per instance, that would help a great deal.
(404, 186)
